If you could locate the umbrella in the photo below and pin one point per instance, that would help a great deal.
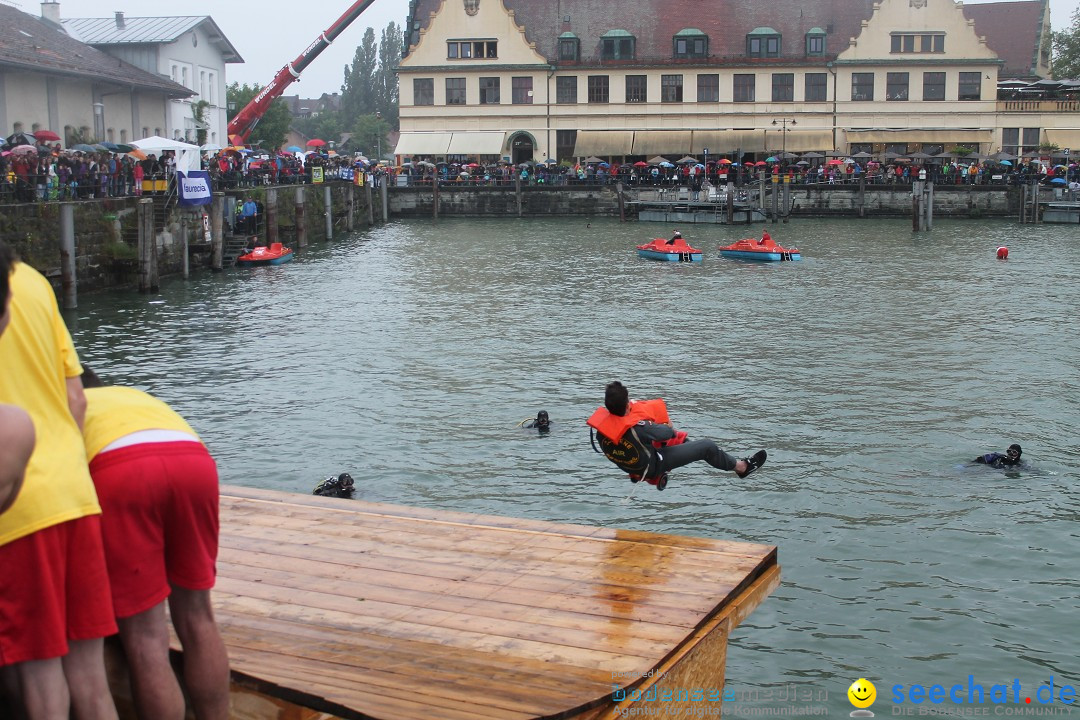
(156, 144)
(111, 147)
(641, 163)
(919, 156)
(724, 161)
(548, 161)
(862, 155)
(835, 161)
(787, 155)
(137, 154)
(1004, 162)
(604, 165)
(771, 159)
(316, 142)
(21, 138)
(83, 147)
(760, 163)
(687, 160)
(46, 135)
(657, 160)
(593, 159)
(212, 147)
(666, 164)
(802, 162)
(1058, 181)
(294, 148)
(813, 155)
(24, 150)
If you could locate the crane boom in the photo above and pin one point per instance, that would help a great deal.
(246, 120)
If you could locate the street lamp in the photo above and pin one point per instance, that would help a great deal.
(783, 123)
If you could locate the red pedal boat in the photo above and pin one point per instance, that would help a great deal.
(669, 251)
(276, 254)
(763, 250)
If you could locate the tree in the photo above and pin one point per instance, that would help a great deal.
(198, 111)
(273, 127)
(1067, 50)
(369, 135)
(386, 77)
(326, 125)
(358, 90)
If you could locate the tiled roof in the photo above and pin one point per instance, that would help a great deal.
(144, 30)
(30, 43)
(1012, 30)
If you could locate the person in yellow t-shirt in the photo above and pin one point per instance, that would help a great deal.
(16, 428)
(50, 538)
(158, 488)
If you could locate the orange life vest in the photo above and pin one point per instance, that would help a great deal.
(613, 427)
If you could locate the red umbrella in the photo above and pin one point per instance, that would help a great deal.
(761, 163)
(47, 135)
(640, 163)
(316, 142)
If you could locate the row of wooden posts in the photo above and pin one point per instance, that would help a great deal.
(149, 280)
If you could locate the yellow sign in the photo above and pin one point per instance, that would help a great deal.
(359, 178)
(316, 175)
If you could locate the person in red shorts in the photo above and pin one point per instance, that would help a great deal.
(55, 605)
(158, 488)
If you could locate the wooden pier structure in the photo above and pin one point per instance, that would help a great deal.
(345, 609)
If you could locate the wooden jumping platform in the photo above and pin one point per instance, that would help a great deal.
(344, 609)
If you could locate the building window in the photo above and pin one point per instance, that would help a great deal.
(933, 86)
(970, 86)
(896, 86)
(455, 91)
(897, 149)
(569, 47)
(566, 90)
(1031, 140)
(783, 87)
(907, 43)
(564, 143)
(862, 86)
(815, 42)
(708, 88)
(124, 138)
(857, 148)
(618, 45)
(212, 97)
(489, 91)
(763, 42)
(690, 45)
(110, 135)
(816, 87)
(670, 88)
(637, 88)
(472, 49)
(598, 88)
(423, 91)
(522, 90)
(743, 90)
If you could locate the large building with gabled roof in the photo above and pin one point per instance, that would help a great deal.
(51, 81)
(191, 50)
(540, 79)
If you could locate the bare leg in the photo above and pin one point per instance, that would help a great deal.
(146, 643)
(44, 689)
(206, 664)
(84, 667)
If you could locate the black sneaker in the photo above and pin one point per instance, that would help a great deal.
(753, 462)
(662, 482)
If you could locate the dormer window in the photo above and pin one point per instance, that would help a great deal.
(815, 42)
(690, 43)
(763, 42)
(569, 46)
(918, 43)
(617, 45)
(472, 49)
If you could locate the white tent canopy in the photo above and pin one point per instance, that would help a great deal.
(156, 143)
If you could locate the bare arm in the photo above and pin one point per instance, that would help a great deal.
(16, 445)
(76, 400)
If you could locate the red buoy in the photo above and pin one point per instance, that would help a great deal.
(1003, 253)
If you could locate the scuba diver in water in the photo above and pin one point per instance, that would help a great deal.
(541, 423)
(1011, 458)
(638, 437)
(339, 487)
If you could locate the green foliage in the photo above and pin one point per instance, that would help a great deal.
(358, 90)
(369, 136)
(371, 84)
(273, 128)
(1066, 64)
(1048, 147)
(963, 150)
(198, 111)
(326, 125)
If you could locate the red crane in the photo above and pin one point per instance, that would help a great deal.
(246, 120)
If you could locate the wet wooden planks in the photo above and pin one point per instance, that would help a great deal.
(368, 610)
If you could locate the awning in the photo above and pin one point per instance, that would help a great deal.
(604, 142)
(799, 140)
(661, 142)
(423, 143)
(915, 135)
(1063, 137)
(725, 142)
(477, 143)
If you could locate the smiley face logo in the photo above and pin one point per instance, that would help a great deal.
(862, 693)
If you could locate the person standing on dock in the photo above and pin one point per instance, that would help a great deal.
(55, 606)
(249, 211)
(158, 487)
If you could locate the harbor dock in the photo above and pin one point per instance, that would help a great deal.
(336, 608)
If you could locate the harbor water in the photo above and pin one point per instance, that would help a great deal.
(872, 370)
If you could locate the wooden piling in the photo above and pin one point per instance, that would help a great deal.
(434, 194)
(775, 198)
(622, 205)
(272, 232)
(786, 205)
(301, 221)
(148, 277)
(384, 192)
(217, 227)
(67, 255)
(916, 203)
(350, 221)
(328, 201)
(862, 195)
(517, 193)
(730, 203)
(368, 196)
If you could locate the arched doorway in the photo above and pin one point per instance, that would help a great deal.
(522, 147)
